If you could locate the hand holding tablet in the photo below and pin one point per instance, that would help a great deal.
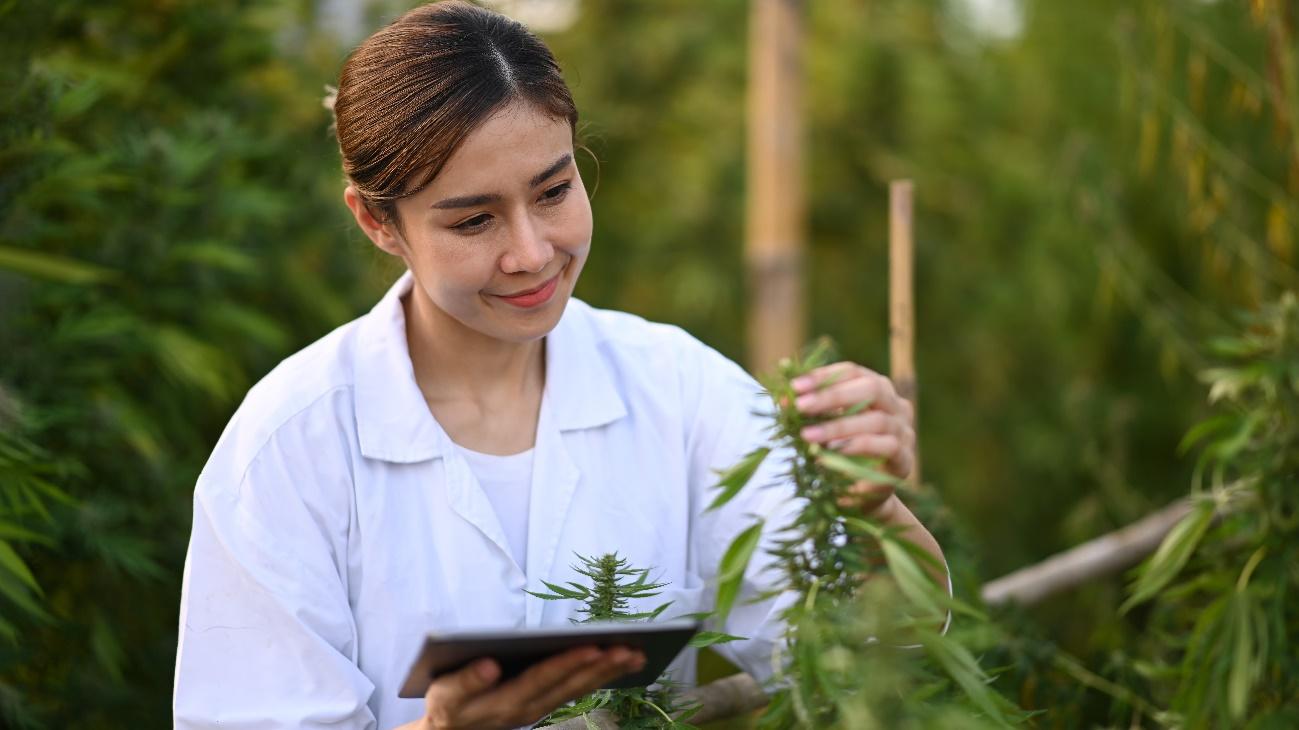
(515, 650)
(511, 678)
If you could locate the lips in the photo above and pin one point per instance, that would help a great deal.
(533, 290)
(533, 297)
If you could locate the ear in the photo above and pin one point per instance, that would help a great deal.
(383, 235)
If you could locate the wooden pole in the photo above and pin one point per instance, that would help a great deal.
(902, 321)
(773, 251)
(1105, 555)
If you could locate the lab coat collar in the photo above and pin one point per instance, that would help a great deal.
(393, 422)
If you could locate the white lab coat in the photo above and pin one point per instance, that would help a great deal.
(334, 524)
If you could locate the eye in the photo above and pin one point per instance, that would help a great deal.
(557, 193)
(474, 224)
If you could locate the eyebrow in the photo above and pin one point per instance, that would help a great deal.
(471, 201)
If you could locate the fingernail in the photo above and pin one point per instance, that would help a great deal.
(801, 383)
(487, 670)
(812, 433)
(803, 402)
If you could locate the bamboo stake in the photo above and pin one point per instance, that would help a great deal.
(726, 698)
(902, 324)
(1105, 555)
(773, 252)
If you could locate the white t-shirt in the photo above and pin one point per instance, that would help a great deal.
(335, 523)
(507, 482)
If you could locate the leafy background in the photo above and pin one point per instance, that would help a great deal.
(1098, 195)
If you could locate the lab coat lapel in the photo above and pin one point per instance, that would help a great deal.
(554, 480)
(465, 495)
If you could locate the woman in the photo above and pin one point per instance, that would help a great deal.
(420, 467)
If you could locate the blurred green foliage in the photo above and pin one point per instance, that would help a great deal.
(1095, 195)
(168, 232)
(1219, 651)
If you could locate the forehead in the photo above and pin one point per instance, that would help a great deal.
(505, 151)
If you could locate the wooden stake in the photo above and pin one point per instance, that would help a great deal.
(773, 251)
(1103, 556)
(902, 324)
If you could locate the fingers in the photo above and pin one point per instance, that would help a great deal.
(844, 385)
(868, 497)
(874, 434)
(614, 663)
(547, 685)
(885, 430)
(899, 456)
(449, 693)
(846, 427)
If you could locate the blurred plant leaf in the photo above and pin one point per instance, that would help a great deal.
(52, 267)
(1173, 552)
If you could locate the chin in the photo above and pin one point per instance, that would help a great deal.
(503, 322)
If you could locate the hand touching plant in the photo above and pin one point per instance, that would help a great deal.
(863, 416)
(861, 567)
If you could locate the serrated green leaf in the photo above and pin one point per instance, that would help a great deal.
(731, 481)
(961, 666)
(856, 468)
(561, 591)
(1172, 554)
(818, 354)
(911, 579)
(730, 572)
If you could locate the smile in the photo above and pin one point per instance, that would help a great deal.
(533, 297)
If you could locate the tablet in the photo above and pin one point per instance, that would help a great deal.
(517, 649)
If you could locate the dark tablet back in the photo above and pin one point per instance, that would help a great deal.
(517, 649)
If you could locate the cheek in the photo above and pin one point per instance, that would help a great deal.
(577, 226)
(452, 265)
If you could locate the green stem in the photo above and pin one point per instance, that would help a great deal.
(1088, 678)
(1250, 565)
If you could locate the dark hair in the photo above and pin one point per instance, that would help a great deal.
(414, 90)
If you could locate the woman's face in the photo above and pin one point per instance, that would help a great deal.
(497, 239)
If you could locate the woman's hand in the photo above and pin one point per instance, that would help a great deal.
(885, 428)
(471, 698)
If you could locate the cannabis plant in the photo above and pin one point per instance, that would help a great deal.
(1222, 636)
(613, 584)
(864, 638)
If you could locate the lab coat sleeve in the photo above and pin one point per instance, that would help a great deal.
(267, 638)
(728, 422)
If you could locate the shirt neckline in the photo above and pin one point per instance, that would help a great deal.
(393, 422)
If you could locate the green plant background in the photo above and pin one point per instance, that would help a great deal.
(1096, 197)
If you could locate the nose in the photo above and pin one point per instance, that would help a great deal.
(529, 250)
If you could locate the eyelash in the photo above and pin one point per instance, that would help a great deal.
(552, 196)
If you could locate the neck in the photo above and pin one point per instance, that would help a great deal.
(453, 362)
